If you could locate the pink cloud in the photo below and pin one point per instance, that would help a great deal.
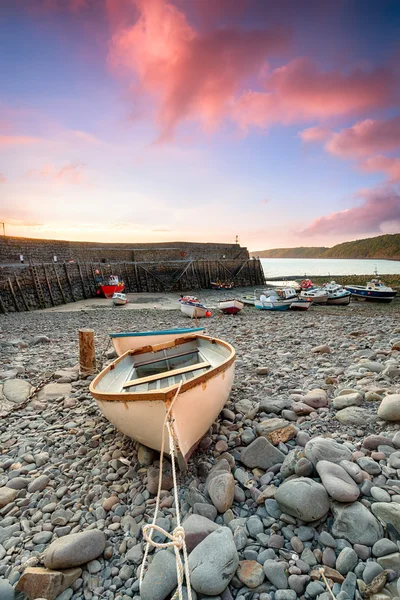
(388, 165)
(300, 91)
(366, 138)
(314, 134)
(379, 206)
(191, 74)
(17, 140)
(71, 173)
(3, 179)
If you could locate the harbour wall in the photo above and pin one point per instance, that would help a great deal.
(33, 286)
(44, 251)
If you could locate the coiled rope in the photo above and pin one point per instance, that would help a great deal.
(177, 538)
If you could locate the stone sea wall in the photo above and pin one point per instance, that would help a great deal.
(26, 287)
(44, 251)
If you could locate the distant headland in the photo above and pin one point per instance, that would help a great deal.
(383, 247)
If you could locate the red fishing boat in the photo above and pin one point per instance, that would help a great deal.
(110, 286)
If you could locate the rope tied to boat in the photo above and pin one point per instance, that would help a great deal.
(177, 537)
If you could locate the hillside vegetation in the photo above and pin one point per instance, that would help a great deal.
(382, 246)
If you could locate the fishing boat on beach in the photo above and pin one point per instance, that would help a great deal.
(195, 310)
(271, 303)
(230, 307)
(124, 341)
(119, 299)
(109, 286)
(135, 391)
(374, 291)
(337, 295)
(315, 295)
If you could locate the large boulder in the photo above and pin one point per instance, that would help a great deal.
(37, 582)
(337, 482)
(355, 523)
(303, 498)
(197, 528)
(320, 448)
(261, 453)
(389, 409)
(213, 563)
(388, 512)
(161, 578)
(75, 549)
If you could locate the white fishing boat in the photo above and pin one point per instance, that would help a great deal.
(315, 295)
(194, 310)
(119, 299)
(135, 391)
(132, 340)
(230, 307)
(250, 299)
(270, 303)
(374, 291)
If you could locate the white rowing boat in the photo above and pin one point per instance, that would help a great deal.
(135, 390)
(132, 340)
(194, 310)
(230, 307)
(119, 299)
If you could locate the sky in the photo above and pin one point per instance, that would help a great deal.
(200, 120)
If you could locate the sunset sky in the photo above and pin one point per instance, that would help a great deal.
(162, 120)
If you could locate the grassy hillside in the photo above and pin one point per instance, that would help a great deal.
(382, 246)
(302, 252)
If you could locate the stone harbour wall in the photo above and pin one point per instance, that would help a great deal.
(26, 287)
(44, 251)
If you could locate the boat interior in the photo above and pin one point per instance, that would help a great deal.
(163, 368)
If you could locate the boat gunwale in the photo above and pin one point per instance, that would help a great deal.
(160, 332)
(164, 394)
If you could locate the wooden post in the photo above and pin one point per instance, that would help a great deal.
(21, 292)
(48, 285)
(87, 355)
(69, 281)
(137, 276)
(13, 294)
(59, 284)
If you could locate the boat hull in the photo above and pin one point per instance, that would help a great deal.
(277, 306)
(340, 300)
(371, 295)
(132, 340)
(300, 305)
(321, 299)
(109, 290)
(230, 307)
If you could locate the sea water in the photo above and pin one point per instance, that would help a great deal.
(311, 267)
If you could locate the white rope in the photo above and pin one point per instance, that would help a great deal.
(178, 535)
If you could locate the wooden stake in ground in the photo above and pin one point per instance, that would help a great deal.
(87, 355)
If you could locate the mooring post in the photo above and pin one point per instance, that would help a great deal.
(87, 354)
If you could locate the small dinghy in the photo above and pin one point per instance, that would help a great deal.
(132, 340)
(300, 304)
(119, 299)
(230, 307)
(135, 391)
(195, 310)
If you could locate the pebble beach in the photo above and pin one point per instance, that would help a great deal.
(294, 493)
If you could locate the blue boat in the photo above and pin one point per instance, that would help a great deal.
(374, 291)
(271, 305)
